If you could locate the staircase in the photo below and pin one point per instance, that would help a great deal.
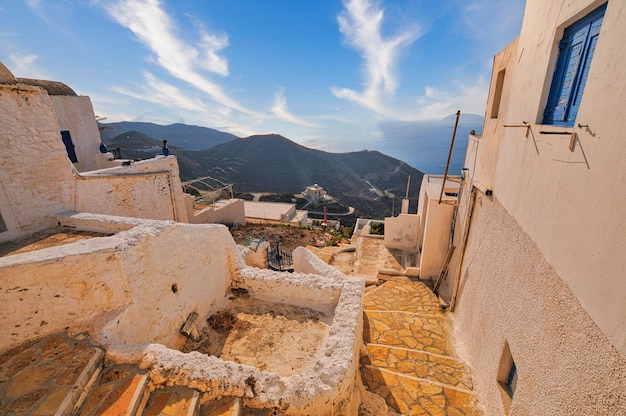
(410, 361)
(61, 375)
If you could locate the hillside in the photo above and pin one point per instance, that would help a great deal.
(180, 135)
(272, 163)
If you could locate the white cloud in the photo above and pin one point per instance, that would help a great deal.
(361, 26)
(280, 110)
(159, 92)
(154, 28)
(468, 98)
(24, 66)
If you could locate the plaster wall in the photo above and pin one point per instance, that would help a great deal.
(481, 164)
(509, 292)
(75, 114)
(145, 272)
(437, 225)
(175, 269)
(567, 201)
(148, 189)
(29, 133)
(229, 211)
(402, 232)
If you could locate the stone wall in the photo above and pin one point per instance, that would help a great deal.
(154, 274)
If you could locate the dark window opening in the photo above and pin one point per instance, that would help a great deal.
(69, 146)
(507, 377)
(497, 94)
(576, 50)
(3, 226)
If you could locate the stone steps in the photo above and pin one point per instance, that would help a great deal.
(47, 375)
(409, 358)
(60, 375)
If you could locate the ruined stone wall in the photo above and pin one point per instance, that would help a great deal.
(152, 275)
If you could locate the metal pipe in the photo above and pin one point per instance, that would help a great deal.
(445, 174)
(459, 265)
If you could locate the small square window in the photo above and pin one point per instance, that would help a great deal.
(507, 377)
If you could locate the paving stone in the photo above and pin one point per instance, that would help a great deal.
(38, 375)
(410, 360)
(171, 402)
(114, 392)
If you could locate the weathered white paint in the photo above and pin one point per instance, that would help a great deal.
(567, 200)
(326, 388)
(224, 211)
(510, 293)
(436, 222)
(402, 232)
(145, 189)
(168, 283)
(75, 114)
(36, 176)
(134, 269)
(543, 266)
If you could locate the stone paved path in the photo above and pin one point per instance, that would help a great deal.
(410, 360)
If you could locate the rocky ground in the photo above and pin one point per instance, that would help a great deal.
(289, 237)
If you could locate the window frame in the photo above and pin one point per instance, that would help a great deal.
(576, 50)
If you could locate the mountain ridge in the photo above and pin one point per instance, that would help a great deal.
(273, 163)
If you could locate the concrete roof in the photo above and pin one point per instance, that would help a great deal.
(266, 210)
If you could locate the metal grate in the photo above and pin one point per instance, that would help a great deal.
(279, 259)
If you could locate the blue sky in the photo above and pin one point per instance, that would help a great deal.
(324, 73)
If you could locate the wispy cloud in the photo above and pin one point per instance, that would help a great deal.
(174, 100)
(280, 110)
(437, 103)
(154, 28)
(361, 26)
(159, 92)
(25, 66)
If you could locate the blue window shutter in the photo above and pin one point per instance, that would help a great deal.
(570, 75)
(69, 146)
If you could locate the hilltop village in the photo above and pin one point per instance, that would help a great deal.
(503, 294)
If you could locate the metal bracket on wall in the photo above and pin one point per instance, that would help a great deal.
(524, 124)
(572, 134)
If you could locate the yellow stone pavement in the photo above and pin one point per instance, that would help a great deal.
(410, 359)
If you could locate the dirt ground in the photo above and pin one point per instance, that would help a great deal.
(278, 337)
(44, 239)
(289, 237)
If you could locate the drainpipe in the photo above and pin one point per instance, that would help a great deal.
(445, 174)
(466, 229)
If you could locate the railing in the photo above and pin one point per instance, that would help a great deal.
(280, 260)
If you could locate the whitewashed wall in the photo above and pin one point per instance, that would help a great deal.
(35, 174)
(145, 189)
(569, 201)
(75, 114)
(155, 274)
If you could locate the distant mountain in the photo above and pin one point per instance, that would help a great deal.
(272, 163)
(180, 135)
(136, 145)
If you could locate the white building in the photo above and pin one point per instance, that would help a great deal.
(315, 193)
(537, 280)
(50, 135)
